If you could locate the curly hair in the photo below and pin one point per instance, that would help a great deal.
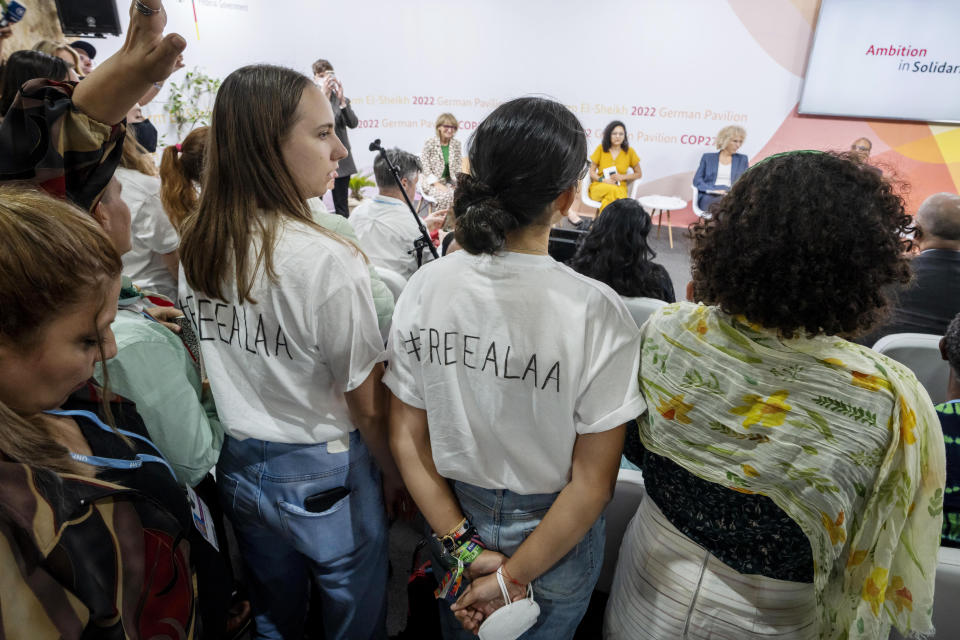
(951, 344)
(615, 252)
(803, 243)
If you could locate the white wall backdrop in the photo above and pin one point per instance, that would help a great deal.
(672, 71)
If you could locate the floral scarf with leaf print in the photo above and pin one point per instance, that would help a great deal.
(852, 452)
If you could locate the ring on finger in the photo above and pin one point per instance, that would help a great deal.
(143, 9)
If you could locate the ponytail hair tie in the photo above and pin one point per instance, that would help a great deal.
(179, 147)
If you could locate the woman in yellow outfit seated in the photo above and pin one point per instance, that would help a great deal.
(613, 151)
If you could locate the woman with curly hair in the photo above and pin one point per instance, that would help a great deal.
(794, 478)
(616, 253)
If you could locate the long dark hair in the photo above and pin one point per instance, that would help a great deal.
(27, 65)
(615, 252)
(523, 156)
(608, 131)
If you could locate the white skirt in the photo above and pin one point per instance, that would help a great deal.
(667, 586)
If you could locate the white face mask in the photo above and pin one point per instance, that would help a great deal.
(512, 620)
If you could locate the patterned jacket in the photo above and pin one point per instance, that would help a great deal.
(87, 558)
(432, 160)
(45, 140)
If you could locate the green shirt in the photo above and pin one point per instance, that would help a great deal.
(154, 369)
(446, 161)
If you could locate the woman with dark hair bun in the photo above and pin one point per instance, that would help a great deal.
(794, 479)
(507, 428)
(615, 252)
(609, 163)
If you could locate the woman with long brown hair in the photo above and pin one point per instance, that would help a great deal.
(289, 336)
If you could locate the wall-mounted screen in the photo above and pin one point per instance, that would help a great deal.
(896, 59)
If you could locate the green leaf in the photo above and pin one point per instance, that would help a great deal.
(680, 346)
(743, 357)
(821, 423)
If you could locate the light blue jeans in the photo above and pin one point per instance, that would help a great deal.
(504, 520)
(344, 549)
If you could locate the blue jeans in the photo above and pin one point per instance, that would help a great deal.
(504, 520)
(343, 549)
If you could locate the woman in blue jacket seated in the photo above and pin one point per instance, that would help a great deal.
(718, 171)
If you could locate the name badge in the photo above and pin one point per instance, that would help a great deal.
(202, 518)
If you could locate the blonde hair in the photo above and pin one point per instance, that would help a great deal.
(728, 133)
(52, 256)
(444, 118)
(247, 187)
(52, 48)
(135, 156)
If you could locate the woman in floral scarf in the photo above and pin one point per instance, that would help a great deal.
(795, 479)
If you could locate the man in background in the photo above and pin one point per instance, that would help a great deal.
(861, 149)
(384, 225)
(932, 299)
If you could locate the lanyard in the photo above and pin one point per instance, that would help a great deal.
(115, 463)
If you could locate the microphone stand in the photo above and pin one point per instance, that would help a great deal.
(424, 240)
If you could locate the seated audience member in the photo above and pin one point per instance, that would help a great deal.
(86, 52)
(153, 368)
(860, 149)
(151, 263)
(442, 161)
(91, 514)
(929, 302)
(615, 252)
(949, 414)
(63, 51)
(181, 174)
(345, 118)
(382, 296)
(784, 462)
(44, 127)
(718, 171)
(384, 225)
(26, 65)
(509, 433)
(609, 163)
(297, 381)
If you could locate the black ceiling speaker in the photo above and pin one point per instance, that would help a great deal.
(88, 17)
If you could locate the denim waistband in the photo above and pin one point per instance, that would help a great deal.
(505, 504)
(288, 462)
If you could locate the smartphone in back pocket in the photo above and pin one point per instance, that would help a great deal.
(320, 502)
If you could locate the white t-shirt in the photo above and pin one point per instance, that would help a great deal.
(723, 174)
(152, 233)
(279, 368)
(512, 356)
(386, 230)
